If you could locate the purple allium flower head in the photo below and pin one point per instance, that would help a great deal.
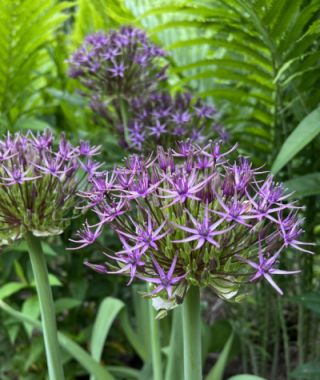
(162, 118)
(39, 182)
(123, 74)
(122, 62)
(193, 215)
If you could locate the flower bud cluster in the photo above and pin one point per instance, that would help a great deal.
(125, 84)
(161, 119)
(39, 183)
(120, 63)
(193, 216)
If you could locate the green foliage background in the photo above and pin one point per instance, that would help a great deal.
(258, 61)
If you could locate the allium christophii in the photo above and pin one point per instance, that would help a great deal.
(39, 182)
(121, 63)
(193, 216)
(161, 119)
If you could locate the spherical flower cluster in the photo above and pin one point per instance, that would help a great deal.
(161, 119)
(117, 68)
(120, 63)
(39, 183)
(190, 216)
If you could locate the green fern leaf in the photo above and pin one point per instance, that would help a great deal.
(27, 26)
(288, 13)
(295, 31)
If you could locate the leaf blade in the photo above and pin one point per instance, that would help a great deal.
(302, 135)
(108, 311)
(76, 351)
(216, 373)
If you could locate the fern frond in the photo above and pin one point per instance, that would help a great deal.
(295, 31)
(27, 27)
(246, 56)
(96, 15)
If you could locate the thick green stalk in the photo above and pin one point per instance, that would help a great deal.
(192, 335)
(47, 310)
(174, 368)
(155, 344)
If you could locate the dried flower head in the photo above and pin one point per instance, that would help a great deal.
(192, 216)
(121, 63)
(39, 182)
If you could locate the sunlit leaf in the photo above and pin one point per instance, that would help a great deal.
(10, 288)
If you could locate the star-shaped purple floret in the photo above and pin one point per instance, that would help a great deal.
(141, 188)
(204, 231)
(166, 281)
(158, 129)
(147, 236)
(290, 230)
(17, 176)
(87, 236)
(131, 257)
(108, 212)
(234, 211)
(183, 187)
(117, 70)
(265, 268)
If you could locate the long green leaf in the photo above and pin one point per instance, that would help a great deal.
(77, 352)
(108, 311)
(217, 371)
(141, 316)
(132, 336)
(305, 185)
(124, 372)
(246, 377)
(304, 133)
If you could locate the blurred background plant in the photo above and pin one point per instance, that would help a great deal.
(256, 62)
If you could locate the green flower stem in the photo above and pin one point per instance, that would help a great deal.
(47, 310)
(192, 335)
(124, 118)
(155, 343)
(174, 368)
